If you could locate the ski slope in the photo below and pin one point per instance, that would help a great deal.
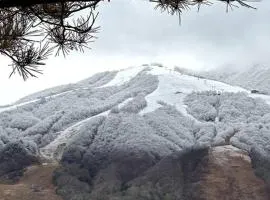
(266, 98)
(55, 149)
(174, 87)
(123, 76)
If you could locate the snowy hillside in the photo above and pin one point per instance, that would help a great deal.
(147, 112)
(256, 77)
(51, 118)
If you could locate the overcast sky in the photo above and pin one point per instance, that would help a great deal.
(133, 32)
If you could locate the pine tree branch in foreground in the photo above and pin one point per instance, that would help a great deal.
(32, 30)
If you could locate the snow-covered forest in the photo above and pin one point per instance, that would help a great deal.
(148, 110)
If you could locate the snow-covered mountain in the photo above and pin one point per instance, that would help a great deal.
(112, 132)
(254, 77)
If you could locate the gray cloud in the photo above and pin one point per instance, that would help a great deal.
(135, 28)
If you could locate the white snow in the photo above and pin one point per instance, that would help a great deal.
(63, 139)
(173, 88)
(120, 105)
(124, 76)
(266, 98)
(12, 107)
(15, 106)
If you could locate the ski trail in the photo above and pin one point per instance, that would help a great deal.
(266, 98)
(15, 106)
(173, 87)
(123, 76)
(55, 149)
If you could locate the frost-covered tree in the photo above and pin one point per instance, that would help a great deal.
(42, 121)
(239, 119)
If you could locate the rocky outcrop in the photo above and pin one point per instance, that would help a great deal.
(223, 173)
(229, 175)
(36, 184)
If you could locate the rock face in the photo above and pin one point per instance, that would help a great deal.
(229, 175)
(36, 184)
(223, 173)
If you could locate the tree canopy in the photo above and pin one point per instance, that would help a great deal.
(32, 30)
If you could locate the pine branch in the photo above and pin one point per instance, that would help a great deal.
(32, 30)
